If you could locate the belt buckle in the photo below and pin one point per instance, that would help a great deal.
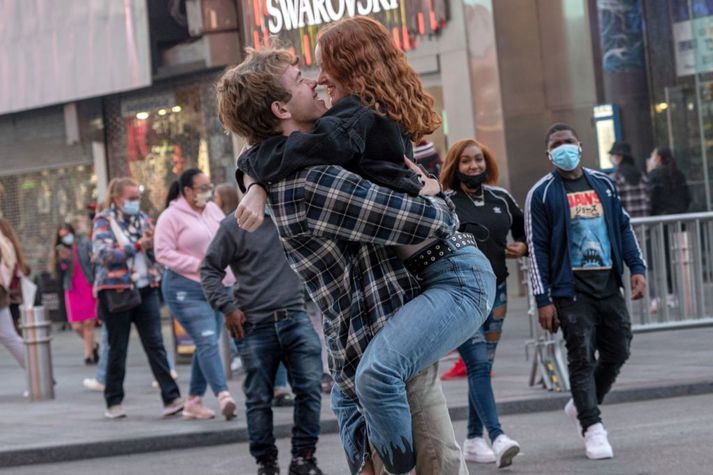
(279, 315)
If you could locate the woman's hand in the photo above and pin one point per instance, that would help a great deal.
(251, 210)
(515, 250)
(431, 186)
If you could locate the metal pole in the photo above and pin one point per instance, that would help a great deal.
(38, 354)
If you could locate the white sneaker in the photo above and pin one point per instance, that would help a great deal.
(505, 450)
(477, 450)
(596, 443)
(237, 364)
(115, 412)
(571, 410)
(92, 384)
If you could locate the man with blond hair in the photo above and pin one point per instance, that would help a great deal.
(331, 224)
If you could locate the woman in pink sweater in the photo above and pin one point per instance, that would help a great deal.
(183, 232)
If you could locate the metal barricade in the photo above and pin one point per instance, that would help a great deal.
(38, 354)
(549, 364)
(678, 250)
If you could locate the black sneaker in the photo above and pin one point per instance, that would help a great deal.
(304, 466)
(268, 466)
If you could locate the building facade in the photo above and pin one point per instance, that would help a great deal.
(500, 71)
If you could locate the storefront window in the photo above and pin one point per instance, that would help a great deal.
(36, 203)
(162, 133)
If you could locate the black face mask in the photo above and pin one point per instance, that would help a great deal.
(472, 181)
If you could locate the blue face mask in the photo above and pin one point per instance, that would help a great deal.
(131, 207)
(566, 157)
(68, 240)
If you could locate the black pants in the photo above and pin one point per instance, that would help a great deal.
(147, 319)
(594, 325)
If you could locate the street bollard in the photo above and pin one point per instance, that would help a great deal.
(38, 354)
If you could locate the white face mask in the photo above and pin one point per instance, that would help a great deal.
(68, 240)
(202, 199)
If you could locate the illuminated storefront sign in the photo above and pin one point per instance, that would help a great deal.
(297, 22)
(291, 14)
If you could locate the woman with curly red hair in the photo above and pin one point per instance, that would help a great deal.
(379, 108)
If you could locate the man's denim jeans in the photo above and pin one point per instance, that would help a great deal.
(478, 353)
(186, 301)
(294, 342)
(458, 294)
(594, 325)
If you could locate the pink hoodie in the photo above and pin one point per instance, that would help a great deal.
(182, 237)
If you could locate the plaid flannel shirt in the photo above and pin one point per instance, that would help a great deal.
(634, 198)
(335, 227)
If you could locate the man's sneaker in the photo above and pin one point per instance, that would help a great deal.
(173, 408)
(571, 410)
(92, 384)
(505, 450)
(596, 443)
(477, 450)
(115, 412)
(306, 465)
(236, 364)
(268, 466)
(458, 370)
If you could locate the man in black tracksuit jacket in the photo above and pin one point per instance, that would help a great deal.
(579, 238)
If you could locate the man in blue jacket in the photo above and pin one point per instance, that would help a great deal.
(579, 238)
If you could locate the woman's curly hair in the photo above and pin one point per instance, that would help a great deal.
(359, 53)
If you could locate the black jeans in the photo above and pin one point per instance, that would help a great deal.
(147, 319)
(594, 325)
(293, 342)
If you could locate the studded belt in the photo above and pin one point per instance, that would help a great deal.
(438, 250)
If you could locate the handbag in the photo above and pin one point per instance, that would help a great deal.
(122, 300)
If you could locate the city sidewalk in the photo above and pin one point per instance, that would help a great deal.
(72, 426)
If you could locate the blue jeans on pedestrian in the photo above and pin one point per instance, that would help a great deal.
(281, 378)
(187, 303)
(478, 354)
(293, 342)
(103, 356)
(458, 293)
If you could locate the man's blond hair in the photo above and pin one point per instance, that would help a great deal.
(246, 93)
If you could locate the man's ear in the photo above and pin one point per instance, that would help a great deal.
(280, 111)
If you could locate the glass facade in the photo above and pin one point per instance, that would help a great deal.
(680, 61)
(154, 135)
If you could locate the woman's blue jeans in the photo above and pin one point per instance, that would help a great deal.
(458, 293)
(187, 303)
(478, 354)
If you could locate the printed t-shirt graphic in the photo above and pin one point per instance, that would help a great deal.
(589, 243)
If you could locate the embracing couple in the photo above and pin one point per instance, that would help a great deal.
(374, 238)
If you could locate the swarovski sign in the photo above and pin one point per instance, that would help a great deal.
(285, 15)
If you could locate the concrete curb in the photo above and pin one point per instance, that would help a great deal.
(111, 448)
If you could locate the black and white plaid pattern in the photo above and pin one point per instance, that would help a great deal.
(634, 198)
(335, 227)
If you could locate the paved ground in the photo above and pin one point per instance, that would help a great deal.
(61, 428)
(665, 436)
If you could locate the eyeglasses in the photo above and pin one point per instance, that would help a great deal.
(205, 188)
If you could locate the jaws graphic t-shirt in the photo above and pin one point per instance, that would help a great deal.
(589, 247)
